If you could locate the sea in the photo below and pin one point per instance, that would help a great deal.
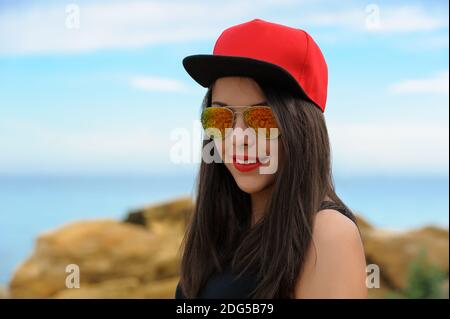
(31, 205)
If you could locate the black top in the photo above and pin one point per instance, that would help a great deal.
(225, 285)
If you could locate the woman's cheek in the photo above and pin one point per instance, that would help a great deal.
(273, 151)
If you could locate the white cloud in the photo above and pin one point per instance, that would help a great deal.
(394, 148)
(377, 18)
(351, 18)
(132, 24)
(438, 83)
(30, 146)
(410, 18)
(152, 83)
(103, 25)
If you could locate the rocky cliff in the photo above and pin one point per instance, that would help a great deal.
(139, 257)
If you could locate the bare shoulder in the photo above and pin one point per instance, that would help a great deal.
(329, 225)
(335, 263)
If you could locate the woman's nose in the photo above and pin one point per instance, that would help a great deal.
(242, 133)
(239, 121)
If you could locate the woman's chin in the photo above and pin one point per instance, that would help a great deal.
(251, 184)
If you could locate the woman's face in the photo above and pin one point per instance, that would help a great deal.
(252, 171)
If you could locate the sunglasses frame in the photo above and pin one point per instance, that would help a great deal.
(246, 108)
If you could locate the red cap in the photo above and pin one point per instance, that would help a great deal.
(269, 52)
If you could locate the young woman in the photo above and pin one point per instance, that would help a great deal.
(281, 233)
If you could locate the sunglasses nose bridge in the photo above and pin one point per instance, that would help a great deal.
(244, 138)
(242, 123)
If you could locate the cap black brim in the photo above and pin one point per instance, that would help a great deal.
(206, 68)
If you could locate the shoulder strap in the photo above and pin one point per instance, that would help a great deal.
(340, 208)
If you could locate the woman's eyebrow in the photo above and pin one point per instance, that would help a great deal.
(225, 104)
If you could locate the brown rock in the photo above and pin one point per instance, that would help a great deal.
(394, 251)
(123, 288)
(165, 217)
(140, 258)
(106, 252)
(3, 292)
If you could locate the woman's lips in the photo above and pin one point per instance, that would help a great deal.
(244, 164)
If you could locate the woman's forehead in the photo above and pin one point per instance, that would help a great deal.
(237, 91)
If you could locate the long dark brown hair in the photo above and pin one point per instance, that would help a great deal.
(274, 249)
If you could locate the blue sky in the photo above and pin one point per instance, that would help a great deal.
(98, 86)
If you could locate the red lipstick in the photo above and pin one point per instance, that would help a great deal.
(244, 164)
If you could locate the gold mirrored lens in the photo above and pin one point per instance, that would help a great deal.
(261, 117)
(215, 120)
